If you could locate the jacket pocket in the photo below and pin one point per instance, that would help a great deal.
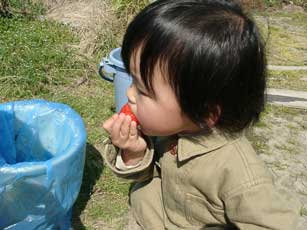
(199, 211)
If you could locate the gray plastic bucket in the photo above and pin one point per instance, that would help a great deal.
(112, 69)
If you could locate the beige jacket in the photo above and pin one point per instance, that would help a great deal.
(213, 179)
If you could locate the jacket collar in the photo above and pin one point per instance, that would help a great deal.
(193, 145)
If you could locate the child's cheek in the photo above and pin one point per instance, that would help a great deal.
(148, 125)
(144, 120)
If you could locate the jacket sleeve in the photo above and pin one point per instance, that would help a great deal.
(142, 172)
(261, 207)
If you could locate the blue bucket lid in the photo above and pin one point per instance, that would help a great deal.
(115, 58)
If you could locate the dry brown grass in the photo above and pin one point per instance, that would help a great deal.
(252, 4)
(93, 20)
(50, 4)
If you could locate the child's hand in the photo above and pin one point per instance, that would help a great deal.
(125, 135)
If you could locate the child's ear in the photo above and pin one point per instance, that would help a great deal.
(213, 117)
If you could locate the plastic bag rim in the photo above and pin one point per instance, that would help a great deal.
(40, 167)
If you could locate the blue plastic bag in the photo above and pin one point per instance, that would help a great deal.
(42, 154)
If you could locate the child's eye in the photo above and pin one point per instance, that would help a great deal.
(138, 88)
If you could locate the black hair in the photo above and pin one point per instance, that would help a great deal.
(211, 53)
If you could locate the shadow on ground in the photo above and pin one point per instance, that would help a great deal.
(92, 170)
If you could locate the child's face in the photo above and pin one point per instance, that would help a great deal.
(159, 116)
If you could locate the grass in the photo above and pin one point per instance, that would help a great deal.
(294, 80)
(286, 48)
(262, 4)
(37, 60)
(127, 8)
(303, 211)
(292, 18)
(284, 112)
(103, 198)
(260, 134)
(285, 35)
(34, 57)
(26, 8)
(291, 149)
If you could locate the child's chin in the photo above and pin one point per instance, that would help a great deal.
(155, 134)
(148, 132)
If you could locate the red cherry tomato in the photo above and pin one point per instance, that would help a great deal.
(127, 110)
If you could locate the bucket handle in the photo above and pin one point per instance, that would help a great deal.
(106, 67)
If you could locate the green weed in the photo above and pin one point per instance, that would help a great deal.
(35, 56)
(303, 211)
(26, 8)
(129, 6)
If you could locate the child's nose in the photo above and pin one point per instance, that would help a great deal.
(131, 94)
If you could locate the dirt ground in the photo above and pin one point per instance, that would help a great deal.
(280, 139)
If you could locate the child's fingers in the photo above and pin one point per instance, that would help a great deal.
(107, 125)
(125, 128)
(135, 138)
(115, 134)
(133, 135)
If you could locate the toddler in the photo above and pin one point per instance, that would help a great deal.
(199, 72)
